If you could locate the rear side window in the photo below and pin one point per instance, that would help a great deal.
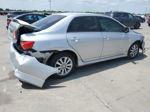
(131, 16)
(109, 25)
(48, 21)
(84, 24)
(120, 15)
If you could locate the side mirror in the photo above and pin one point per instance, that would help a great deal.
(126, 29)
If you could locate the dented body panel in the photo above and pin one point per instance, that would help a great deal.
(28, 69)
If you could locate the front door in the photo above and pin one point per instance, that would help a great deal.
(115, 39)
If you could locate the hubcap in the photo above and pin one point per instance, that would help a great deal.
(134, 50)
(64, 65)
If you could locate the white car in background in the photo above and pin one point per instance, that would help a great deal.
(59, 43)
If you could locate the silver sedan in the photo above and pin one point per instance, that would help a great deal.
(59, 43)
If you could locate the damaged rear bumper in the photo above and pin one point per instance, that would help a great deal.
(29, 69)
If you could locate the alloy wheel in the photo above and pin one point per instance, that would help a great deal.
(64, 65)
(134, 50)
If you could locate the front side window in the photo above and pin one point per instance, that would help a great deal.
(83, 24)
(109, 25)
(123, 15)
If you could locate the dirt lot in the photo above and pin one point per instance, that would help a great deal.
(119, 85)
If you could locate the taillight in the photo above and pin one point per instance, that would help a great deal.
(26, 45)
(148, 18)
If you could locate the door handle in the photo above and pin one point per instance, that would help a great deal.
(75, 39)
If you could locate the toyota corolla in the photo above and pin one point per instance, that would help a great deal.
(59, 43)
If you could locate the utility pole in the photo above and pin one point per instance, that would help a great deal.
(50, 7)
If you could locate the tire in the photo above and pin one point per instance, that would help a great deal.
(137, 25)
(23, 82)
(149, 24)
(133, 50)
(65, 62)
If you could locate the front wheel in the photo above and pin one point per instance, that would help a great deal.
(133, 50)
(64, 62)
(137, 25)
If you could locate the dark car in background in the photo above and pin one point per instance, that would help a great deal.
(29, 18)
(125, 18)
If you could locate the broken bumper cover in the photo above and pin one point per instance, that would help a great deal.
(28, 69)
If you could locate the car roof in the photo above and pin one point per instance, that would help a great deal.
(80, 14)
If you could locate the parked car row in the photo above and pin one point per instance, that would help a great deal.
(57, 44)
(130, 20)
(15, 13)
(3, 12)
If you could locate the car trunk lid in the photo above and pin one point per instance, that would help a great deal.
(17, 28)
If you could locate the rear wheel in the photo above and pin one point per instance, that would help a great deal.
(65, 63)
(133, 50)
(149, 24)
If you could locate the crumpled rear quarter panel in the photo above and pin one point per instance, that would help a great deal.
(28, 69)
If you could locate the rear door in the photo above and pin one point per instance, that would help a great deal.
(115, 40)
(83, 36)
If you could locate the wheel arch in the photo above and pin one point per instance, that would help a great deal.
(66, 51)
(137, 41)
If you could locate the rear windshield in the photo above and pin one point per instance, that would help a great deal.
(48, 21)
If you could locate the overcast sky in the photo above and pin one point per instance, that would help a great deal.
(135, 6)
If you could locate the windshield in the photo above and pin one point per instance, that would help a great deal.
(48, 21)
